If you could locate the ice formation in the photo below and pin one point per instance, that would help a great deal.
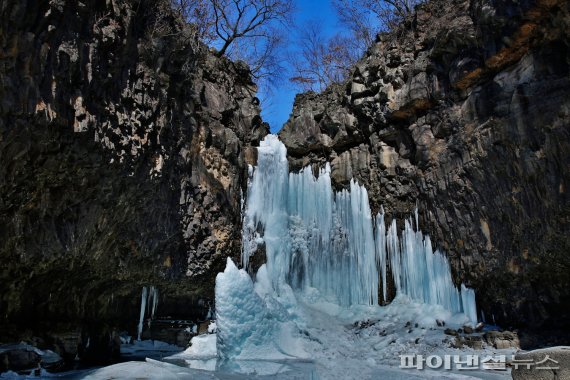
(316, 238)
(326, 247)
(247, 326)
(149, 299)
(142, 312)
(153, 296)
(424, 275)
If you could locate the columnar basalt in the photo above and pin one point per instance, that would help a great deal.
(465, 110)
(123, 152)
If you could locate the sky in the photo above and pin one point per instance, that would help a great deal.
(277, 106)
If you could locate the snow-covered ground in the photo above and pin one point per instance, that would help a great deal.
(337, 349)
(337, 343)
(286, 334)
(342, 349)
(302, 336)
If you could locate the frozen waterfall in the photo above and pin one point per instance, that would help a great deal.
(317, 238)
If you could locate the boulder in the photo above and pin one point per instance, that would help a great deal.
(450, 331)
(20, 357)
(502, 339)
(474, 341)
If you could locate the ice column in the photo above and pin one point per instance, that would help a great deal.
(153, 296)
(380, 246)
(266, 209)
(142, 311)
(419, 272)
(247, 327)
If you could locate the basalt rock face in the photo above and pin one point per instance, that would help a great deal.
(466, 111)
(123, 153)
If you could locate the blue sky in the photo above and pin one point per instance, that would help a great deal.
(277, 107)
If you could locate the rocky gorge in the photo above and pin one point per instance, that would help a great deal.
(125, 145)
(469, 121)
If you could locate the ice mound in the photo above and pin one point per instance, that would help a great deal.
(201, 347)
(249, 328)
(151, 369)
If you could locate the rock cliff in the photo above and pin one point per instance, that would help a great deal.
(465, 110)
(122, 162)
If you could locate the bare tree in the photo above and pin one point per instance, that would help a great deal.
(263, 56)
(238, 19)
(320, 61)
(358, 19)
(199, 14)
(386, 14)
(248, 30)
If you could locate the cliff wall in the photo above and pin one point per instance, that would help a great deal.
(122, 162)
(465, 110)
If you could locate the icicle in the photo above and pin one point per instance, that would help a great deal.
(209, 315)
(417, 217)
(316, 238)
(142, 312)
(468, 301)
(424, 275)
(393, 246)
(380, 239)
(153, 296)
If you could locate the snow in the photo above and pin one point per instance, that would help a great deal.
(548, 349)
(201, 347)
(151, 369)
